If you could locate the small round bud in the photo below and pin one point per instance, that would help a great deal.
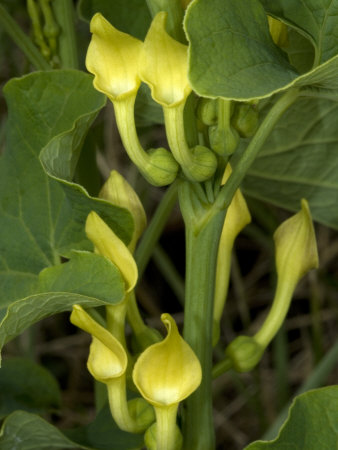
(207, 111)
(245, 119)
(244, 353)
(142, 412)
(161, 168)
(223, 142)
(204, 164)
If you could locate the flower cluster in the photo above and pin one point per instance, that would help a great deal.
(120, 62)
(166, 372)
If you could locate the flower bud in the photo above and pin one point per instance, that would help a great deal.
(118, 191)
(109, 245)
(244, 353)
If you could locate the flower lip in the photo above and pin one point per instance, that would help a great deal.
(112, 57)
(169, 371)
(107, 357)
(164, 64)
(109, 245)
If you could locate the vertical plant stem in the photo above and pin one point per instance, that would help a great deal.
(64, 13)
(22, 41)
(155, 228)
(201, 258)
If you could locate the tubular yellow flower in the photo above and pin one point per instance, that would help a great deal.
(107, 363)
(109, 245)
(164, 67)
(237, 217)
(113, 58)
(296, 254)
(166, 373)
(119, 192)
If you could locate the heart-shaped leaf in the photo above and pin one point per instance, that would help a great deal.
(312, 423)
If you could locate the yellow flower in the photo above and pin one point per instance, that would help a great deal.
(107, 363)
(109, 245)
(296, 249)
(237, 217)
(164, 67)
(107, 358)
(164, 64)
(119, 192)
(113, 58)
(296, 254)
(166, 373)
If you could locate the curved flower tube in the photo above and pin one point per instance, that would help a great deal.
(113, 57)
(107, 363)
(296, 254)
(109, 245)
(164, 67)
(165, 374)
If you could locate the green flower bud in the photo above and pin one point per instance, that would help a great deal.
(244, 353)
(223, 141)
(207, 111)
(245, 119)
(162, 168)
(141, 412)
(204, 163)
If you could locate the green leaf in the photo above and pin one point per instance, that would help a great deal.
(131, 17)
(231, 51)
(104, 434)
(232, 55)
(87, 279)
(26, 431)
(316, 20)
(27, 385)
(37, 221)
(299, 160)
(312, 423)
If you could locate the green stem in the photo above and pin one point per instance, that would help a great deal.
(197, 164)
(145, 335)
(65, 16)
(116, 318)
(22, 41)
(166, 427)
(119, 406)
(124, 115)
(277, 313)
(201, 258)
(256, 143)
(158, 167)
(221, 367)
(155, 228)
